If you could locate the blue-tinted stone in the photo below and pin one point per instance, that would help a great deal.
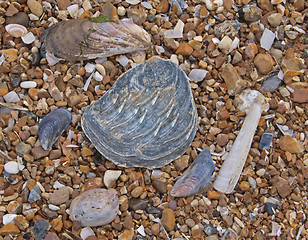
(270, 208)
(266, 141)
(40, 229)
(156, 212)
(271, 83)
(35, 194)
(210, 230)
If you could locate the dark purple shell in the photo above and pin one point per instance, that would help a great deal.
(52, 126)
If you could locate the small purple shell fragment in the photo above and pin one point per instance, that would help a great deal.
(52, 126)
(195, 177)
(266, 141)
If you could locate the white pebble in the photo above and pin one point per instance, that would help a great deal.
(73, 10)
(260, 172)
(225, 43)
(267, 39)
(197, 75)
(141, 231)
(177, 32)
(86, 232)
(86, 5)
(234, 44)
(33, 17)
(53, 207)
(110, 177)
(8, 218)
(159, 49)
(123, 60)
(28, 84)
(11, 167)
(89, 67)
(174, 58)
(98, 77)
(121, 11)
(100, 68)
(11, 97)
(58, 185)
(133, 2)
(198, 38)
(147, 5)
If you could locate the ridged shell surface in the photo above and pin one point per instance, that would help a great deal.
(80, 39)
(52, 126)
(147, 119)
(95, 207)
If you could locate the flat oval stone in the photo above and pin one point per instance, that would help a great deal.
(147, 119)
(95, 207)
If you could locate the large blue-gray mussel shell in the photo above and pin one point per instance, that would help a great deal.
(147, 119)
(52, 126)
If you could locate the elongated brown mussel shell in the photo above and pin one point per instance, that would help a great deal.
(81, 39)
(148, 118)
(52, 126)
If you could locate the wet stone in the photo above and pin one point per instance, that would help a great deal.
(35, 194)
(156, 212)
(160, 186)
(210, 230)
(266, 141)
(22, 148)
(21, 222)
(168, 219)
(250, 13)
(138, 16)
(51, 236)
(271, 83)
(39, 152)
(270, 208)
(172, 204)
(9, 228)
(59, 196)
(137, 203)
(263, 63)
(300, 95)
(222, 139)
(282, 185)
(292, 145)
(35, 7)
(181, 163)
(235, 84)
(40, 229)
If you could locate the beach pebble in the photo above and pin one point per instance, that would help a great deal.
(28, 38)
(86, 232)
(35, 7)
(110, 177)
(59, 196)
(11, 167)
(28, 84)
(197, 75)
(11, 97)
(95, 207)
(168, 219)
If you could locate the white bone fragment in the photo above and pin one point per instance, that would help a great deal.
(253, 102)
